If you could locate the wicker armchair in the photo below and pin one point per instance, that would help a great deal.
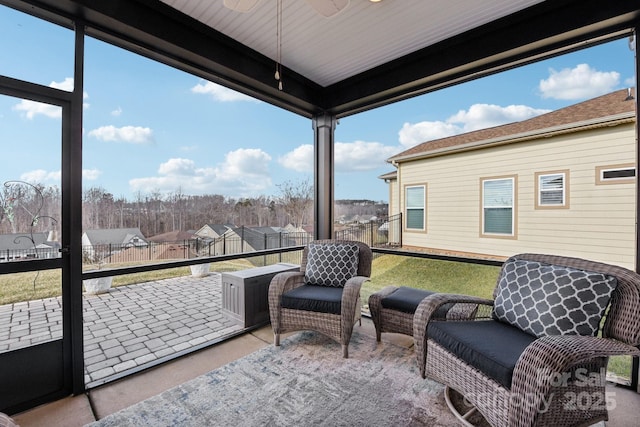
(297, 304)
(556, 380)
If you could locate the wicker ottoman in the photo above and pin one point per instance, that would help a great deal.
(392, 309)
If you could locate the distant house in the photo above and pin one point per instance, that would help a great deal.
(559, 183)
(249, 239)
(172, 237)
(97, 242)
(213, 231)
(260, 238)
(27, 246)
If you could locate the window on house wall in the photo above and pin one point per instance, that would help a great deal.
(498, 213)
(415, 197)
(552, 190)
(616, 174)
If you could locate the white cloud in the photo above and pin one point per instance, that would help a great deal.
(580, 82)
(349, 157)
(220, 93)
(131, 134)
(91, 174)
(299, 160)
(183, 167)
(478, 116)
(66, 84)
(246, 161)
(31, 109)
(117, 112)
(482, 116)
(361, 156)
(244, 173)
(415, 133)
(41, 176)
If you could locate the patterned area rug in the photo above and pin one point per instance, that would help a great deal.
(304, 382)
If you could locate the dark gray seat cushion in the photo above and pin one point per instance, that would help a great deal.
(407, 299)
(322, 299)
(490, 346)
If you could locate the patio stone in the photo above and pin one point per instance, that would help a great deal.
(120, 367)
(128, 326)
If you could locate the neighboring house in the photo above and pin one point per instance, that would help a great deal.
(559, 183)
(260, 238)
(107, 241)
(213, 231)
(27, 246)
(249, 239)
(172, 237)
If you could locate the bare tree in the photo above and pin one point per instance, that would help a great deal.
(157, 213)
(297, 201)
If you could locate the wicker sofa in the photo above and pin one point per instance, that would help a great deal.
(535, 355)
(322, 296)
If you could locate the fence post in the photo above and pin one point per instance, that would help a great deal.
(372, 227)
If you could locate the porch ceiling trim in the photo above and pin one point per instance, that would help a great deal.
(156, 30)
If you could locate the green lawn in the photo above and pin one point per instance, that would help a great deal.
(434, 275)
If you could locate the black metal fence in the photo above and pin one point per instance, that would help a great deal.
(193, 248)
(377, 233)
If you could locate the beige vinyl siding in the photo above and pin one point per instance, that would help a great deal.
(394, 198)
(394, 209)
(599, 224)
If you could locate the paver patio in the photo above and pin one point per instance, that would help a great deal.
(128, 326)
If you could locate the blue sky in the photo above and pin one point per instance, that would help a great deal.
(149, 128)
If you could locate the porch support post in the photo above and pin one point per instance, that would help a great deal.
(324, 126)
(635, 369)
(72, 229)
(634, 45)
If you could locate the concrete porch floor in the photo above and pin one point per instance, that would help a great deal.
(104, 400)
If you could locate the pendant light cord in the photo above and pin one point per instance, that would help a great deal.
(278, 74)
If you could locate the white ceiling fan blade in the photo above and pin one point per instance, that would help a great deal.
(328, 8)
(242, 6)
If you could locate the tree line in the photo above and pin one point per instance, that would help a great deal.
(35, 207)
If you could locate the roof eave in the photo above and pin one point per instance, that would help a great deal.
(613, 120)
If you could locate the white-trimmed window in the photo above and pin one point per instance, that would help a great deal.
(616, 174)
(552, 189)
(415, 207)
(498, 213)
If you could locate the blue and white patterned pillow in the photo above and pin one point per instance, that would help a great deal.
(543, 299)
(331, 264)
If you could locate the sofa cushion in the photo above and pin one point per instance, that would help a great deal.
(490, 346)
(544, 299)
(331, 264)
(323, 299)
